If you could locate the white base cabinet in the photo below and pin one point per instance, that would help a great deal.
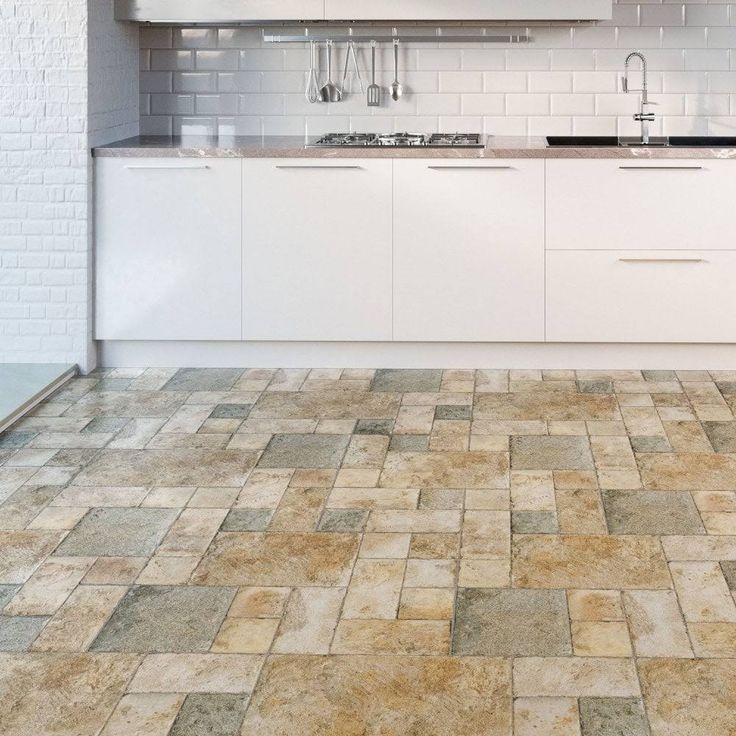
(469, 250)
(168, 249)
(641, 296)
(317, 249)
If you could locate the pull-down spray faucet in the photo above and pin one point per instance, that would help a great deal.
(643, 116)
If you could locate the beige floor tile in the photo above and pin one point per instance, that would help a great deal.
(264, 489)
(414, 420)
(717, 522)
(567, 406)
(357, 477)
(601, 639)
(546, 717)
(487, 499)
(214, 498)
(713, 640)
(309, 621)
(445, 470)
(300, 510)
(421, 520)
(427, 603)
(430, 574)
(21, 552)
(595, 605)
(168, 498)
(100, 496)
(373, 498)
(385, 546)
(699, 548)
(197, 673)
(392, 637)
(144, 714)
(245, 635)
(192, 532)
(259, 603)
(688, 472)
(58, 518)
(702, 592)
(580, 512)
(434, 546)
(657, 628)
(484, 573)
(486, 534)
(532, 490)
(366, 451)
(574, 677)
(115, 570)
(163, 570)
(715, 501)
(687, 436)
(374, 589)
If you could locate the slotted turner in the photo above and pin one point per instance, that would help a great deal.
(374, 91)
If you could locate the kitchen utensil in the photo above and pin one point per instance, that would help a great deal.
(351, 55)
(396, 89)
(330, 92)
(374, 91)
(313, 92)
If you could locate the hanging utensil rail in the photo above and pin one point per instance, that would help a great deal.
(342, 37)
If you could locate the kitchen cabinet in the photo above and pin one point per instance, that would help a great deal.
(317, 249)
(468, 250)
(168, 249)
(617, 204)
(218, 11)
(641, 296)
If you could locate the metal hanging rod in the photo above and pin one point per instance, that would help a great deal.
(343, 37)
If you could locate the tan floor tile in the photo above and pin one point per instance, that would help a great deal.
(532, 490)
(546, 717)
(21, 552)
(300, 510)
(445, 470)
(699, 548)
(214, 498)
(434, 546)
(309, 621)
(427, 603)
(58, 518)
(168, 570)
(192, 532)
(391, 696)
(546, 405)
(357, 477)
(687, 436)
(721, 501)
(486, 534)
(421, 520)
(612, 452)
(414, 420)
(575, 480)
(259, 603)
(702, 592)
(568, 428)
(716, 522)
(392, 637)
(264, 489)
(374, 589)
(488, 443)
(197, 673)
(713, 640)
(144, 714)
(619, 479)
(245, 635)
(580, 512)
(326, 405)
(168, 498)
(115, 571)
(595, 605)
(688, 472)
(313, 478)
(385, 546)
(250, 441)
(441, 498)
(430, 574)
(366, 451)
(606, 429)
(601, 639)
(75, 625)
(686, 697)
(574, 677)
(101, 496)
(506, 427)
(484, 573)
(548, 561)
(491, 381)
(373, 498)
(487, 499)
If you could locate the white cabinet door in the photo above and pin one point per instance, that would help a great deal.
(469, 250)
(640, 204)
(317, 245)
(223, 11)
(168, 249)
(468, 9)
(641, 296)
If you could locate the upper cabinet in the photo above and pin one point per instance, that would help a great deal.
(500, 10)
(263, 11)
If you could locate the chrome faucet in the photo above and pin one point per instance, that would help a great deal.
(643, 116)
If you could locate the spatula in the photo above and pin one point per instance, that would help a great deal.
(374, 91)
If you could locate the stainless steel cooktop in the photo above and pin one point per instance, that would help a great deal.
(400, 140)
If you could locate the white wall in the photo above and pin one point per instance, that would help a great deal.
(566, 81)
(50, 110)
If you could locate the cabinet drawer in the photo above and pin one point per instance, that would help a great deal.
(641, 296)
(634, 204)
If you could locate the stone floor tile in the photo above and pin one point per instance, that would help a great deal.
(699, 548)
(688, 472)
(601, 639)
(118, 532)
(385, 546)
(595, 605)
(409, 443)
(214, 498)
(165, 619)
(703, 592)
(722, 435)
(357, 477)
(441, 498)
(8, 591)
(259, 603)
(434, 546)
(486, 534)
(418, 521)
(551, 453)
(484, 573)
(626, 562)
(309, 621)
(264, 489)
(580, 511)
(300, 510)
(373, 498)
(532, 490)
(574, 677)
(487, 499)
(344, 404)
(686, 436)
(375, 426)
(304, 451)
(21, 552)
(214, 714)
(713, 640)
(445, 470)
(546, 717)
(61, 694)
(651, 512)
(245, 636)
(406, 380)
(114, 571)
(612, 717)
(427, 603)
(729, 573)
(375, 589)
(163, 570)
(100, 496)
(58, 518)
(684, 697)
(565, 406)
(366, 451)
(393, 696)
(657, 628)
(534, 522)
(203, 379)
(392, 637)
(511, 623)
(722, 501)
(430, 574)
(192, 532)
(197, 673)
(144, 714)
(247, 520)
(716, 522)
(23, 506)
(279, 560)
(132, 404)
(17, 633)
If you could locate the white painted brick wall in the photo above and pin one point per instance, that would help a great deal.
(46, 105)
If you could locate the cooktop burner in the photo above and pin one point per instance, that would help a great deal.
(401, 140)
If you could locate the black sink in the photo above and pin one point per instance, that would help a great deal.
(695, 141)
(594, 141)
(603, 141)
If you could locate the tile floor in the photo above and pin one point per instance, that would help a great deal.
(420, 553)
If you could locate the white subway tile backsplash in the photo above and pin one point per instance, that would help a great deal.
(565, 80)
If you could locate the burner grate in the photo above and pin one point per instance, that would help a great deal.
(401, 140)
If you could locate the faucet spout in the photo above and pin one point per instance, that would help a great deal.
(644, 116)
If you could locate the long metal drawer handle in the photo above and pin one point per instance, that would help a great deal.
(662, 260)
(319, 167)
(469, 168)
(661, 168)
(165, 167)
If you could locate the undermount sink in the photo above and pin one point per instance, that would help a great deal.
(603, 141)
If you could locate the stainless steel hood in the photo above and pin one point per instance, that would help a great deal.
(264, 11)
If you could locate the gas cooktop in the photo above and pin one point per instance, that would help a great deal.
(400, 140)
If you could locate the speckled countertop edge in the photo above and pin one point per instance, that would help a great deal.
(295, 147)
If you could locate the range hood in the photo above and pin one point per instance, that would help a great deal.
(212, 12)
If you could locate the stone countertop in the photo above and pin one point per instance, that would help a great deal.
(295, 147)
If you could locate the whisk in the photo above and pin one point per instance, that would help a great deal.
(313, 92)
